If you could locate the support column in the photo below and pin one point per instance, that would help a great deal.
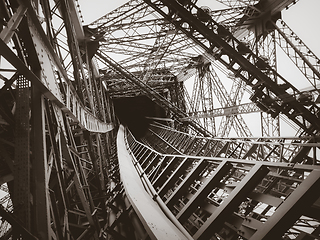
(21, 194)
(39, 166)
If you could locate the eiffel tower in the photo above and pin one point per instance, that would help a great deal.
(163, 119)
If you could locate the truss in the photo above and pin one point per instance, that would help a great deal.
(70, 170)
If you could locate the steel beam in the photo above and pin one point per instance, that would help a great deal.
(184, 185)
(7, 33)
(80, 188)
(168, 169)
(222, 45)
(155, 222)
(22, 192)
(79, 114)
(16, 224)
(42, 222)
(203, 191)
(152, 94)
(291, 209)
(226, 111)
(229, 205)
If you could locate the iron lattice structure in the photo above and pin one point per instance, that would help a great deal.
(69, 169)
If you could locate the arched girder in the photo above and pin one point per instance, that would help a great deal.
(244, 67)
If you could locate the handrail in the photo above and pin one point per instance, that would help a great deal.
(215, 190)
(154, 220)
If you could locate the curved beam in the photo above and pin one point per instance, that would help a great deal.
(154, 220)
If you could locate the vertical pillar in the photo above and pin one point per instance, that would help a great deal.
(39, 166)
(21, 195)
(184, 185)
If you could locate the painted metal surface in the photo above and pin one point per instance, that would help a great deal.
(226, 198)
(55, 150)
(155, 222)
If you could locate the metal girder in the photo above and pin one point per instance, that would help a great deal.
(205, 189)
(16, 223)
(248, 67)
(160, 146)
(238, 123)
(7, 33)
(289, 211)
(78, 112)
(253, 7)
(240, 197)
(159, 49)
(123, 13)
(49, 82)
(124, 31)
(84, 90)
(151, 93)
(176, 192)
(227, 111)
(266, 48)
(293, 46)
(75, 192)
(306, 61)
(80, 187)
(159, 181)
(22, 182)
(291, 150)
(40, 167)
(230, 18)
(96, 164)
(247, 184)
(125, 89)
(139, 28)
(154, 220)
(139, 31)
(202, 98)
(51, 185)
(137, 50)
